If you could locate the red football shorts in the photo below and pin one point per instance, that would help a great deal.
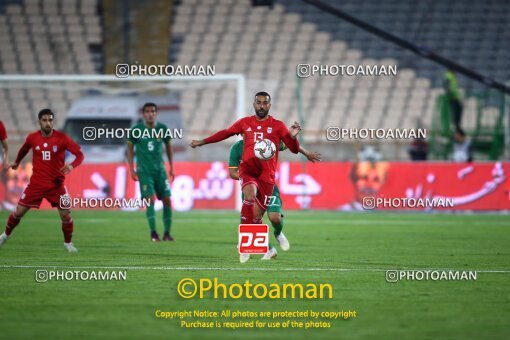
(264, 189)
(34, 194)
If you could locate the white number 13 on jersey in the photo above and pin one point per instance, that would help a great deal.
(258, 136)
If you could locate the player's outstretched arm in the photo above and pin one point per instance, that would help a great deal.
(289, 138)
(295, 129)
(195, 143)
(312, 156)
(219, 136)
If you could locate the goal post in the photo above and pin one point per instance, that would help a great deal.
(239, 80)
(21, 98)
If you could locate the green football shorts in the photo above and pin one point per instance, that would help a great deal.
(154, 183)
(275, 202)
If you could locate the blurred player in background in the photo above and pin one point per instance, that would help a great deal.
(150, 168)
(5, 147)
(274, 210)
(453, 96)
(49, 169)
(257, 176)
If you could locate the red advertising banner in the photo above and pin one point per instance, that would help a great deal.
(344, 186)
(326, 185)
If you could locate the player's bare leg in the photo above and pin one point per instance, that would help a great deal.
(150, 213)
(277, 221)
(167, 218)
(12, 222)
(67, 229)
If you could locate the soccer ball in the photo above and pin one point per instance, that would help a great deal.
(264, 149)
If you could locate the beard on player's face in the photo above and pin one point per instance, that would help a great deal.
(46, 126)
(261, 113)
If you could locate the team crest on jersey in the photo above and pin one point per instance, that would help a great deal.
(269, 129)
(54, 148)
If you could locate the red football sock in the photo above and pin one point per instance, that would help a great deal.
(67, 229)
(12, 222)
(247, 211)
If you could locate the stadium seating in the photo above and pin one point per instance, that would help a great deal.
(45, 37)
(468, 31)
(266, 44)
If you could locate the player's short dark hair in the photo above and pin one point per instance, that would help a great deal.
(264, 94)
(45, 112)
(146, 105)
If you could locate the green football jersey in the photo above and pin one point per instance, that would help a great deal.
(149, 146)
(236, 153)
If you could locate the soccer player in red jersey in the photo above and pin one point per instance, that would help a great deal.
(49, 169)
(257, 176)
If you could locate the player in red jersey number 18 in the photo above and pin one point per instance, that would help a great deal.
(49, 169)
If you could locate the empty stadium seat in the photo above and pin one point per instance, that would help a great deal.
(48, 37)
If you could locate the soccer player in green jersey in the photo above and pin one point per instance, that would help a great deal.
(274, 210)
(150, 167)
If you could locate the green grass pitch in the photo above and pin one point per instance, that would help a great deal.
(349, 251)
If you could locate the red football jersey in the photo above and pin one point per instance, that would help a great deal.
(49, 156)
(254, 130)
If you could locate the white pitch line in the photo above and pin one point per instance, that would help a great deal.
(233, 222)
(294, 221)
(241, 269)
